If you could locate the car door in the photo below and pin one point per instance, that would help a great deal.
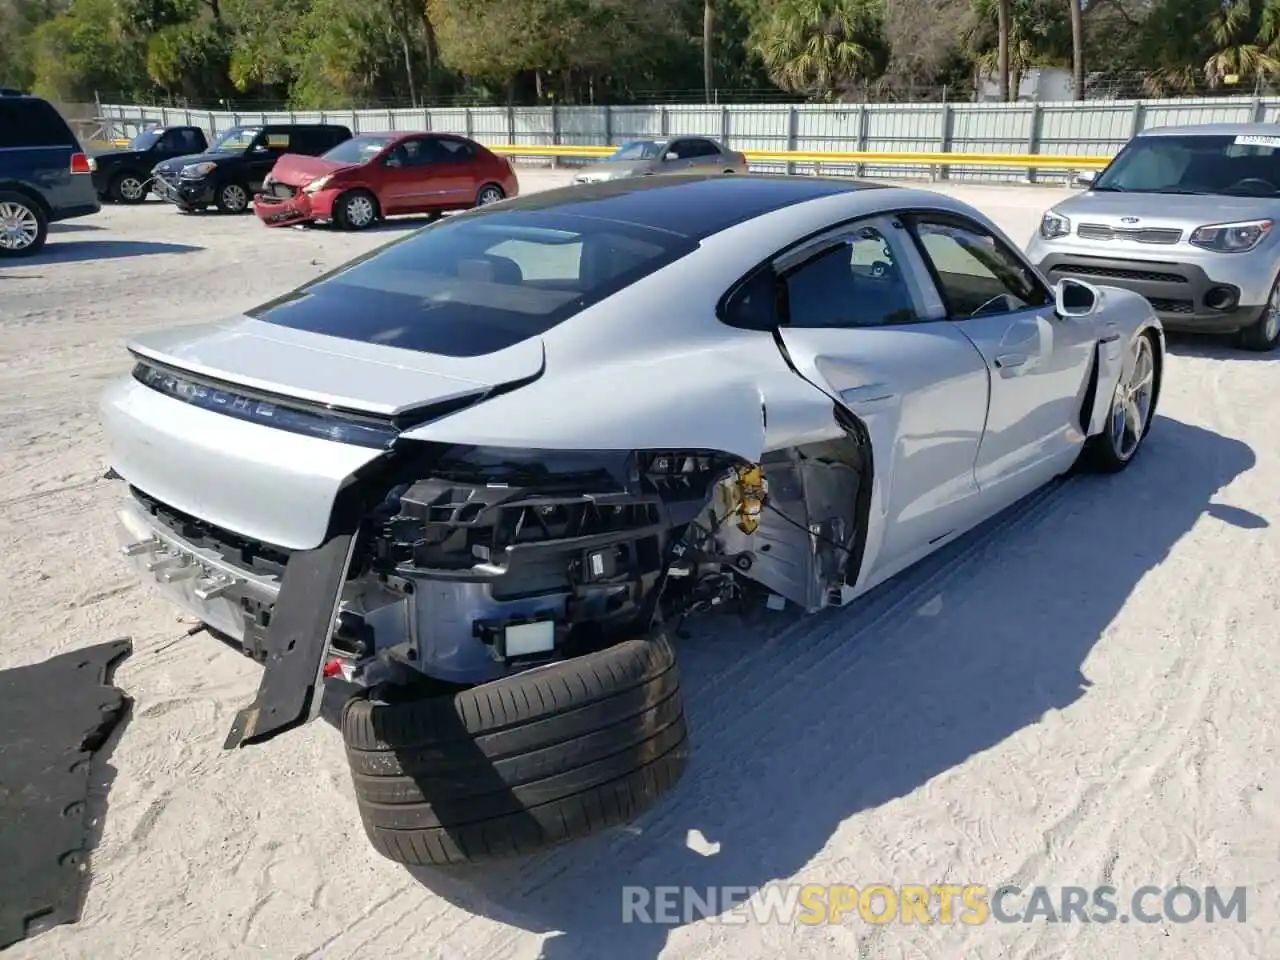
(677, 157)
(1039, 362)
(433, 177)
(855, 325)
(703, 154)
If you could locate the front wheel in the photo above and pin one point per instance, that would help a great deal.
(233, 198)
(1133, 407)
(489, 193)
(23, 225)
(1263, 336)
(355, 210)
(128, 188)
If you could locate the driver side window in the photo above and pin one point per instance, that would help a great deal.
(856, 283)
(976, 274)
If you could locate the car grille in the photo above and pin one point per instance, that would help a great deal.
(1171, 306)
(283, 190)
(1100, 231)
(1117, 273)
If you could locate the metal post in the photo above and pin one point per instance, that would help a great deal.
(511, 124)
(468, 123)
(1259, 110)
(793, 135)
(945, 138)
(1033, 139)
(662, 120)
(608, 126)
(863, 126)
(724, 124)
(1135, 126)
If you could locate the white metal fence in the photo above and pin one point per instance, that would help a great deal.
(1087, 128)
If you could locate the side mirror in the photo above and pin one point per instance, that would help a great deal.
(1084, 178)
(1075, 298)
(671, 155)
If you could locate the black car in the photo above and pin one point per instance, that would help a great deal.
(231, 171)
(44, 174)
(123, 175)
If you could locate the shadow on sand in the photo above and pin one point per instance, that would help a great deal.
(798, 724)
(72, 251)
(1213, 347)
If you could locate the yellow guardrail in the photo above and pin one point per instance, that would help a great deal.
(1035, 161)
(1040, 161)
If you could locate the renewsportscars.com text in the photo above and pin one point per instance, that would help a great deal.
(972, 904)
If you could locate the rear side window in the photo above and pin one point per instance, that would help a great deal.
(32, 123)
(455, 150)
(474, 285)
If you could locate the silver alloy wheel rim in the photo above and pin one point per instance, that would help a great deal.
(490, 195)
(234, 197)
(131, 188)
(18, 226)
(1131, 405)
(1271, 323)
(359, 211)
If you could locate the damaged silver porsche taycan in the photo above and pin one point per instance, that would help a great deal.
(482, 473)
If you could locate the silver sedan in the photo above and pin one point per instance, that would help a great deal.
(644, 158)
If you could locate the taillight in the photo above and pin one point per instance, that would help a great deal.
(80, 163)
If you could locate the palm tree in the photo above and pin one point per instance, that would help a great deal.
(1077, 48)
(708, 32)
(822, 47)
(1243, 40)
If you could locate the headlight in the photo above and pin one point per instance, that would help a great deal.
(1054, 225)
(318, 184)
(194, 171)
(1231, 237)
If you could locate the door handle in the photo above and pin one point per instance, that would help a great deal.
(872, 393)
(1008, 360)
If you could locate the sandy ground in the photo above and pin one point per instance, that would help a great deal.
(1083, 693)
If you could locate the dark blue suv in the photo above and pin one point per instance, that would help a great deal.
(44, 174)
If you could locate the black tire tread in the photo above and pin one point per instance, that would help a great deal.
(562, 821)
(371, 726)
(536, 759)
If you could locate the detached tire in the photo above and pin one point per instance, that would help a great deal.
(510, 767)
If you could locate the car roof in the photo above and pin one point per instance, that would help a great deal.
(689, 205)
(404, 134)
(1215, 130)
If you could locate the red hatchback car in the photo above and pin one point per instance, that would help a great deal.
(375, 175)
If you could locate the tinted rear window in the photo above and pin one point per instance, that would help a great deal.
(32, 123)
(477, 284)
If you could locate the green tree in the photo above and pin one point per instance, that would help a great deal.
(821, 48)
(91, 49)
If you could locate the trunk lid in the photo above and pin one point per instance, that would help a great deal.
(332, 371)
(212, 431)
